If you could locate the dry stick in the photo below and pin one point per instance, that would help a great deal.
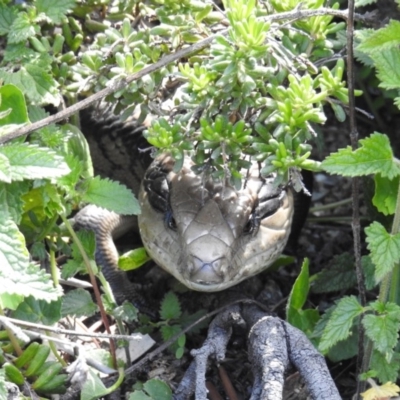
(355, 192)
(201, 45)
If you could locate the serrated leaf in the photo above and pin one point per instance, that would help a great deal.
(369, 272)
(127, 312)
(386, 63)
(78, 303)
(11, 200)
(4, 394)
(384, 38)
(168, 331)
(385, 194)
(17, 274)
(21, 28)
(382, 330)
(385, 370)
(345, 349)
(55, 10)
(10, 301)
(38, 311)
(374, 156)
(37, 84)
(5, 169)
(340, 323)
(71, 268)
(29, 161)
(79, 147)
(112, 196)
(386, 391)
(362, 3)
(7, 17)
(338, 275)
(384, 248)
(158, 390)
(170, 307)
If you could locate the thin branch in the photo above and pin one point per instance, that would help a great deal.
(355, 193)
(183, 53)
(59, 331)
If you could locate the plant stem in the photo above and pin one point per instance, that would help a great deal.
(11, 336)
(55, 351)
(330, 205)
(53, 268)
(387, 289)
(94, 284)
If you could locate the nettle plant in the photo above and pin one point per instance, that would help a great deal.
(254, 93)
(381, 318)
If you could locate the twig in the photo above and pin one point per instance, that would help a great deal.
(59, 331)
(162, 347)
(355, 193)
(183, 53)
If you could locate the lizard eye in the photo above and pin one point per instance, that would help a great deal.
(170, 221)
(265, 208)
(252, 225)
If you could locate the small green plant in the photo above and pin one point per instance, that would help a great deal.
(381, 318)
(44, 376)
(256, 92)
(153, 389)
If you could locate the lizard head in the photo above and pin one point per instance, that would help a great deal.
(206, 233)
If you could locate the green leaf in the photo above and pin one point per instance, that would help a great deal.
(362, 3)
(170, 307)
(7, 17)
(71, 268)
(93, 388)
(340, 323)
(133, 259)
(167, 332)
(29, 161)
(17, 274)
(139, 395)
(39, 311)
(374, 156)
(5, 169)
(298, 295)
(21, 29)
(386, 63)
(384, 248)
(127, 312)
(383, 328)
(382, 39)
(12, 98)
(38, 85)
(386, 369)
(369, 272)
(338, 275)
(345, 349)
(55, 10)
(11, 199)
(385, 194)
(4, 394)
(112, 196)
(158, 390)
(10, 302)
(78, 303)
